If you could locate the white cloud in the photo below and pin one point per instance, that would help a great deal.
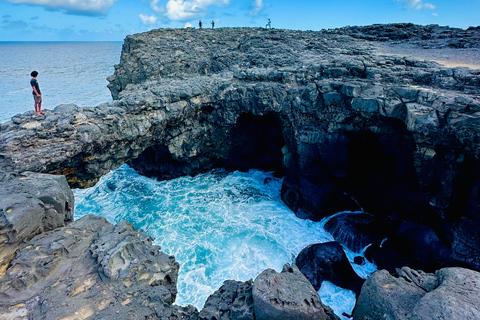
(183, 10)
(417, 4)
(257, 5)
(155, 7)
(188, 25)
(80, 7)
(148, 19)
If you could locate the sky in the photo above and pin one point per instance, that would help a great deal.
(112, 20)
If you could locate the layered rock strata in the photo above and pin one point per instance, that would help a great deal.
(348, 127)
(30, 204)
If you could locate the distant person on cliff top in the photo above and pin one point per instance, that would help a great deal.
(37, 94)
(200, 24)
(269, 24)
(213, 24)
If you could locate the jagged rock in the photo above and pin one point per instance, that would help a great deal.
(431, 36)
(328, 262)
(30, 203)
(452, 293)
(232, 301)
(288, 296)
(285, 295)
(356, 230)
(90, 268)
(352, 127)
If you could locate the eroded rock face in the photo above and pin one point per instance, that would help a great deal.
(30, 203)
(287, 295)
(450, 293)
(232, 301)
(347, 126)
(90, 268)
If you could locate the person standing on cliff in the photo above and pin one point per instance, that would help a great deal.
(213, 24)
(200, 24)
(269, 24)
(37, 94)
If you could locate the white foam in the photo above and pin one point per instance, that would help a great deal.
(218, 226)
(342, 301)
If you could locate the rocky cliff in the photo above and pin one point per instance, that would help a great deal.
(347, 125)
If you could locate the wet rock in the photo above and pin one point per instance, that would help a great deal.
(356, 230)
(328, 262)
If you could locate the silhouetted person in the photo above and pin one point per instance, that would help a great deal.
(200, 24)
(213, 24)
(269, 24)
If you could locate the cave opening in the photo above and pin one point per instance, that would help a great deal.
(256, 143)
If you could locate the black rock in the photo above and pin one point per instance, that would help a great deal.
(328, 262)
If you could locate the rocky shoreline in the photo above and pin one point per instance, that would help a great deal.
(347, 126)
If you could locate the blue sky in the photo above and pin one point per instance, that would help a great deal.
(112, 20)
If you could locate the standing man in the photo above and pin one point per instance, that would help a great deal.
(213, 24)
(37, 94)
(200, 24)
(269, 24)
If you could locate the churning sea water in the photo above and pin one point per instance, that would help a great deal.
(218, 225)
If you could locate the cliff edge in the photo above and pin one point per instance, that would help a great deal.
(349, 126)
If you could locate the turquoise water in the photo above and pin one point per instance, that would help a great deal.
(218, 225)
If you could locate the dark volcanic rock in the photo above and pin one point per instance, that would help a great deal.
(30, 203)
(282, 296)
(452, 293)
(431, 36)
(233, 301)
(348, 127)
(90, 268)
(356, 230)
(412, 244)
(328, 262)
(288, 296)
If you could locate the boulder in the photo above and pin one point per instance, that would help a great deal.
(356, 230)
(328, 262)
(287, 295)
(450, 293)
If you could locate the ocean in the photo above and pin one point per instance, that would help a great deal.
(219, 225)
(69, 72)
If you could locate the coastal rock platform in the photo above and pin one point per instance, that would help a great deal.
(348, 125)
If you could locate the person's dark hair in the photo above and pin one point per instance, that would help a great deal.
(34, 74)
